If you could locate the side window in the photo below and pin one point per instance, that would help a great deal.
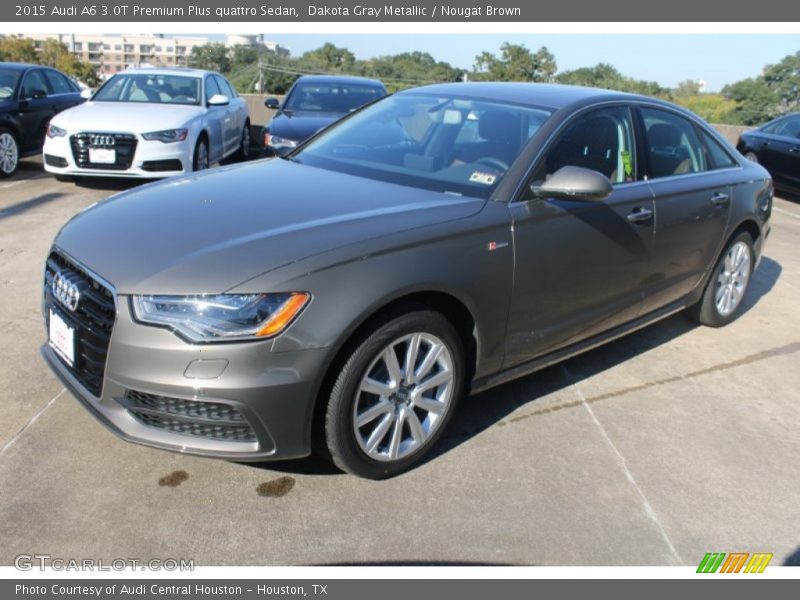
(718, 157)
(789, 127)
(212, 89)
(34, 82)
(58, 83)
(601, 140)
(672, 146)
(225, 87)
(773, 127)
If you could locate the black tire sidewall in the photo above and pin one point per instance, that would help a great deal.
(200, 142)
(708, 306)
(3, 174)
(339, 435)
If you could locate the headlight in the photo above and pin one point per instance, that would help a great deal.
(167, 136)
(275, 140)
(224, 317)
(54, 131)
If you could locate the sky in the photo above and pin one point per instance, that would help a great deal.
(717, 59)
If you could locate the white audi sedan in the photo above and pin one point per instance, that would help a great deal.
(149, 122)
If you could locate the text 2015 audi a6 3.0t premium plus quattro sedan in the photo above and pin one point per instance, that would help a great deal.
(442, 240)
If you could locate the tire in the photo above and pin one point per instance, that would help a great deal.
(243, 153)
(65, 178)
(9, 153)
(379, 435)
(733, 272)
(752, 156)
(200, 157)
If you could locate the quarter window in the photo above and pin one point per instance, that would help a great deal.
(672, 145)
(601, 140)
(718, 157)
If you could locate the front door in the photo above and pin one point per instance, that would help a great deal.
(581, 265)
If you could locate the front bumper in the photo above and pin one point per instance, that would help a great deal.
(274, 391)
(152, 159)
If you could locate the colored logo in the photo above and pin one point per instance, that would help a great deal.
(735, 562)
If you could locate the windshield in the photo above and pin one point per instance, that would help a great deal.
(8, 83)
(331, 97)
(155, 89)
(444, 144)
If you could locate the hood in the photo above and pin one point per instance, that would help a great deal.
(134, 117)
(207, 233)
(301, 125)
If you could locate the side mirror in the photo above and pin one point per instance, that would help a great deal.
(38, 94)
(272, 102)
(574, 183)
(218, 100)
(87, 93)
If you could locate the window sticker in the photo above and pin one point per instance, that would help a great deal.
(483, 178)
(627, 164)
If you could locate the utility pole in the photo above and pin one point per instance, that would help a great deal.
(260, 83)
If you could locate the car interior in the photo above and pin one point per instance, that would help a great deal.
(331, 99)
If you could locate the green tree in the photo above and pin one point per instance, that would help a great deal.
(516, 63)
(214, 56)
(14, 49)
(329, 58)
(608, 77)
(784, 81)
(714, 108)
(755, 101)
(690, 87)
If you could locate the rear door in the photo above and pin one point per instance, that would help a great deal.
(692, 202)
(580, 265)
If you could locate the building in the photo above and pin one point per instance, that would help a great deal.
(112, 53)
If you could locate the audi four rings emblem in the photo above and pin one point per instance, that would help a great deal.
(65, 291)
(101, 140)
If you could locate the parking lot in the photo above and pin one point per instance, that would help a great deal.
(672, 442)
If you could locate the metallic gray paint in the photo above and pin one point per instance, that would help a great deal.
(562, 275)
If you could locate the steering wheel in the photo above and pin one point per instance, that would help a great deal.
(493, 162)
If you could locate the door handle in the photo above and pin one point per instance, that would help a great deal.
(640, 215)
(720, 199)
(764, 144)
(795, 149)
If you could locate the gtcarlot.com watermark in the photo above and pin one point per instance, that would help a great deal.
(43, 562)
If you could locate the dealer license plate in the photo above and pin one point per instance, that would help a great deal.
(62, 338)
(102, 155)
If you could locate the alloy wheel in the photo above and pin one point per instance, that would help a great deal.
(201, 160)
(246, 141)
(9, 154)
(403, 397)
(733, 277)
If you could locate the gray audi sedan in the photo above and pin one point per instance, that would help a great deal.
(438, 242)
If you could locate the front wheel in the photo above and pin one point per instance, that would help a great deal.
(243, 153)
(395, 395)
(752, 157)
(9, 153)
(722, 299)
(200, 159)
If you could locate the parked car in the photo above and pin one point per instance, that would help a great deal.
(312, 103)
(443, 240)
(776, 146)
(30, 95)
(150, 122)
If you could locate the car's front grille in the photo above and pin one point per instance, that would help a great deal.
(123, 145)
(92, 320)
(197, 418)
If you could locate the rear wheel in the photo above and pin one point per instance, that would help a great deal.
(9, 153)
(395, 395)
(722, 299)
(200, 160)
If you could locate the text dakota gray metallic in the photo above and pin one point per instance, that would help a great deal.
(441, 240)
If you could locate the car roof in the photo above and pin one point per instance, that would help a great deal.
(341, 79)
(22, 66)
(545, 95)
(185, 71)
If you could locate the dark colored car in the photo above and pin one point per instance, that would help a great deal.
(776, 146)
(443, 240)
(30, 95)
(312, 103)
